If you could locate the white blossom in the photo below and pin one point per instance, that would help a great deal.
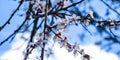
(86, 22)
(99, 23)
(91, 14)
(65, 3)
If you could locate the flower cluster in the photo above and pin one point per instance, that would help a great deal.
(38, 8)
(89, 19)
(61, 24)
(110, 23)
(62, 3)
(39, 39)
(64, 42)
(28, 14)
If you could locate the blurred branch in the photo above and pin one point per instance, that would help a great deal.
(54, 12)
(74, 4)
(114, 36)
(8, 21)
(28, 52)
(110, 7)
(45, 26)
(16, 31)
(31, 37)
(56, 34)
(40, 24)
(34, 29)
(81, 52)
(85, 27)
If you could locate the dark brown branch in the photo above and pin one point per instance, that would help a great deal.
(31, 25)
(74, 4)
(12, 38)
(62, 39)
(114, 36)
(45, 26)
(40, 25)
(110, 7)
(54, 12)
(84, 26)
(31, 37)
(16, 31)
(29, 51)
(8, 21)
(57, 35)
(112, 33)
(34, 29)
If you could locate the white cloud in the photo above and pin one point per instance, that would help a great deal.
(12, 55)
(60, 53)
(16, 50)
(97, 54)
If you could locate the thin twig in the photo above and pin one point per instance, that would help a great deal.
(114, 36)
(110, 7)
(29, 51)
(34, 29)
(16, 31)
(45, 26)
(84, 26)
(8, 21)
(57, 35)
(40, 25)
(31, 37)
(74, 4)
(54, 12)
(62, 39)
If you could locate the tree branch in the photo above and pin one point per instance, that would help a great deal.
(16, 31)
(114, 36)
(74, 4)
(8, 21)
(31, 37)
(110, 7)
(45, 26)
(34, 29)
(54, 12)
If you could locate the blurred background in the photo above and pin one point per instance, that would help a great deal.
(101, 36)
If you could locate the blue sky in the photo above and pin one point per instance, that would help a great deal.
(8, 6)
(6, 9)
(17, 48)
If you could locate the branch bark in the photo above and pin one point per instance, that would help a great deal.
(8, 21)
(16, 31)
(45, 26)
